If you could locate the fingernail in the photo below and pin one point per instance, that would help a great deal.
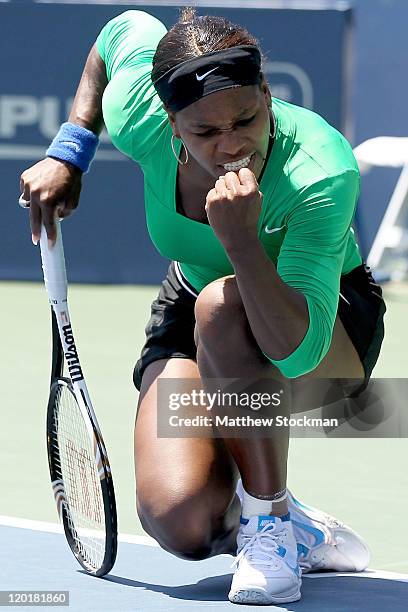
(34, 239)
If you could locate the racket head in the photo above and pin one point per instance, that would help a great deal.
(81, 480)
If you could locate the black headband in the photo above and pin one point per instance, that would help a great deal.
(193, 79)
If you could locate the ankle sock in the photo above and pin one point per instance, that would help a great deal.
(255, 506)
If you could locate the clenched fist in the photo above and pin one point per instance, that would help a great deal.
(233, 207)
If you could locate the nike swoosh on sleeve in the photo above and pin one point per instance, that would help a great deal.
(273, 229)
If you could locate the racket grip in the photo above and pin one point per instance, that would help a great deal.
(53, 264)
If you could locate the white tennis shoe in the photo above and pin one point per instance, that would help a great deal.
(267, 569)
(324, 543)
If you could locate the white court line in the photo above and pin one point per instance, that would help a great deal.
(369, 573)
(22, 523)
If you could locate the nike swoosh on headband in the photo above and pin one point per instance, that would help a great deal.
(273, 229)
(200, 77)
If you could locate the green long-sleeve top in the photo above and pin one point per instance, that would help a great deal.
(310, 188)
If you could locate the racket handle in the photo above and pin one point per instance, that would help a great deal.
(53, 264)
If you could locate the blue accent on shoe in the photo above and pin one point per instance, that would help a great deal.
(295, 569)
(282, 553)
(302, 550)
(268, 519)
(265, 520)
(319, 535)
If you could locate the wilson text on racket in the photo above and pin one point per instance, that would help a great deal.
(71, 355)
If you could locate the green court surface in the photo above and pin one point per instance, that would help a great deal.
(364, 482)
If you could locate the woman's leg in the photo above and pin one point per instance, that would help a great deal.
(226, 348)
(192, 481)
(185, 487)
(268, 560)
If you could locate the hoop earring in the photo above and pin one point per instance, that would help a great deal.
(273, 122)
(183, 163)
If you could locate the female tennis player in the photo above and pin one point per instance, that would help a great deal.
(252, 199)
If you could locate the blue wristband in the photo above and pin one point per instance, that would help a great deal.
(74, 144)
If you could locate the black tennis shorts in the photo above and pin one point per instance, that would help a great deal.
(170, 330)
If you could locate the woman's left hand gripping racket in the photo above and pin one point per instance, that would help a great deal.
(79, 467)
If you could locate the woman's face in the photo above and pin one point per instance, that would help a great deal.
(227, 129)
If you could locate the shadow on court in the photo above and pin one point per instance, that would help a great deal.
(213, 588)
(334, 594)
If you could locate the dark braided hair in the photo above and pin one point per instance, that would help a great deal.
(192, 36)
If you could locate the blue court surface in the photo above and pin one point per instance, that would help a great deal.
(35, 556)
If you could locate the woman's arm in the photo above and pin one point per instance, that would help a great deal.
(122, 55)
(54, 185)
(87, 106)
(277, 313)
(291, 307)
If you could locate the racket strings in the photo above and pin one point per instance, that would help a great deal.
(79, 471)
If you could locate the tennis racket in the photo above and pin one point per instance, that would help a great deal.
(79, 467)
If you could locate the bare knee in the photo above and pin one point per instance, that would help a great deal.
(184, 527)
(219, 313)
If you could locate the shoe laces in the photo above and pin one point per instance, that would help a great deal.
(260, 547)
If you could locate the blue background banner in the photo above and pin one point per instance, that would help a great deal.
(44, 47)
